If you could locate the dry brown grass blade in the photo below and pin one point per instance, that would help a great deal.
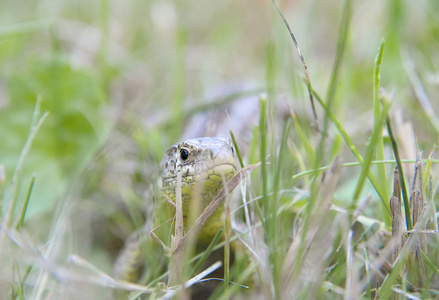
(176, 264)
(395, 210)
(408, 251)
(318, 229)
(208, 211)
(406, 140)
(177, 257)
(417, 194)
(305, 67)
(417, 208)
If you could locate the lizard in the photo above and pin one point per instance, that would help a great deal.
(205, 165)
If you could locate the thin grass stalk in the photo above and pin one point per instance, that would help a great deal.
(309, 149)
(416, 194)
(352, 289)
(401, 176)
(227, 235)
(379, 149)
(11, 197)
(235, 145)
(371, 147)
(354, 150)
(270, 105)
(263, 153)
(429, 263)
(52, 249)
(302, 59)
(17, 291)
(266, 220)
(248, 218)
(26, 274)
(299, 160)
(205, 254)
(182, 289)
(374, 162)
(242, 278)
(417, 207)
(25, 204)
(368, 275)
(333, 81)
(426, 179)
(395, 208)
(274, 251)
(177, 252)
(427, 173)
(12, 193)
(335, 147)
(276, 184)
(253, 153)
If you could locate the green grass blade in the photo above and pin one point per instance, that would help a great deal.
(238, 153)
(354, 150)
(12, 193)
(26, 202)
(427, 173)
(356, 164)
(309, 149)
(379, 150)
(263, 152)
(341, 45)
(242, 278)
(430, 264)
(374, 140)
(302, 59)
(385, 290)
(19, 290)
(205, 254)
(275, 202)
(408, 218)
(330, 95)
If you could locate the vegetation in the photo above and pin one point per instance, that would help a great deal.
(343, 204)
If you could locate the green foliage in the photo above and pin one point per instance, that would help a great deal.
(123, 80)
(71, 134)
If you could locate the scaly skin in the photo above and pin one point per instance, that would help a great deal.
(205, 164)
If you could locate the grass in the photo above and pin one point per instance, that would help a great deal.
(106, 87)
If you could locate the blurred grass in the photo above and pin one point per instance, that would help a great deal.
(121, 80)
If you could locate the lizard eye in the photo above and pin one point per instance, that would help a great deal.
(184, 154)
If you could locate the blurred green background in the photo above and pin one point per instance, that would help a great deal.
(120, 78)
(100, 64)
